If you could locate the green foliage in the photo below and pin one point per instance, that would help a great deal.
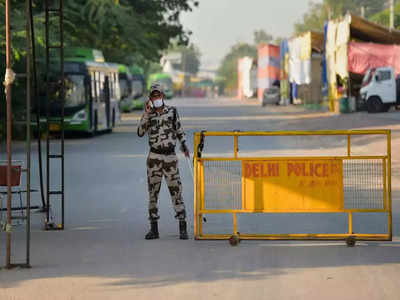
(17, 16)
(383, 17)
(190, 58)
(371, 6)
(130, 31)
(227, 71)
(278, 40)
(151, 68)
(319, 13)
(127, 31)
(18, 46)
(261, 37)
(314, 19)
(228, 68)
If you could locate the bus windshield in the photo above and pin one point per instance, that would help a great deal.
(368, 77)
(74, 90)
(137, 88)
(75, 95)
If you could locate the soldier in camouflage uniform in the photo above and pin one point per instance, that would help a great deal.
(162, 124)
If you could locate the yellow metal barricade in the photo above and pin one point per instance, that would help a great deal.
(317, 184)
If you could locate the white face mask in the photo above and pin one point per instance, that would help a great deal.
(158, 103)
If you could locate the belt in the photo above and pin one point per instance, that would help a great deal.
(163, 151)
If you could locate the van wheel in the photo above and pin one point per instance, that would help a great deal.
(375, 105)
(386, 107)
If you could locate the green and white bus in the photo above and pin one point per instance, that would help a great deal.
(132, 87)
(166, 82)
(92, 93)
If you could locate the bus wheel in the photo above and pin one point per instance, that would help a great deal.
(375, 105)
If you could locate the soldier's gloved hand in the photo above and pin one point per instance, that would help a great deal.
(147, 107)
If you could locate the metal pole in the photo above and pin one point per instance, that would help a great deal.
(47, 6)
(38, 110)
(184, 73)
(28, 131)
(389, 155)
(9, 134)
(391, 25)
(62, 113)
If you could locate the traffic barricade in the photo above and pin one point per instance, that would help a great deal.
(319, 184)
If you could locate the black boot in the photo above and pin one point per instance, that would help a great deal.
(183, 235)
(153, 233)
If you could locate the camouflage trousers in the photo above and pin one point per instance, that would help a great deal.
(159, 166)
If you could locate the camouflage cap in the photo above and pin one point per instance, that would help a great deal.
(156, 87)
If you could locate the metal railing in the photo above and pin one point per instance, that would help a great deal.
(295, 184)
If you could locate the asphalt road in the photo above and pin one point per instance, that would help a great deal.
(102, 253)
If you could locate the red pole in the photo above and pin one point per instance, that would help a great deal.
(9, 132)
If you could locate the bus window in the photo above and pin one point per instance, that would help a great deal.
(74, 86)
(101, 86)
(117, 87)
(93, 82)
(111, 80)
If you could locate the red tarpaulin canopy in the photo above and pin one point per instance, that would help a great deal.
(364, 56)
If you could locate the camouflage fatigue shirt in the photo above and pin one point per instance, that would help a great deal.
(163, 129)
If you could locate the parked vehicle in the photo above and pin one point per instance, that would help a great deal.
(166, 82)
(132, 89)
(92, 93)
(271, 96)
(380, 89)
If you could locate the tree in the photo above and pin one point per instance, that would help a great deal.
(127, 31)
(191, 59)
(383, 17)
(18, 25)
(318, 13)
(227, 71)
(18, 52)
(341, 7)
(124, 30)
(278, 40)
(190, 62)
(133, 26)
(228, 67)
(261, 37)
(314, 19)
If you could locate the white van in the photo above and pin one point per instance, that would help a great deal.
(380, 89)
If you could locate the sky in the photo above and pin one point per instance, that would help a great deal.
(219, 24)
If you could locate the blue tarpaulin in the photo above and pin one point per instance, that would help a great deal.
(324, 65)
(284, 49)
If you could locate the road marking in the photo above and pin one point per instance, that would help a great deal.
(129, 155)
(339, 243)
